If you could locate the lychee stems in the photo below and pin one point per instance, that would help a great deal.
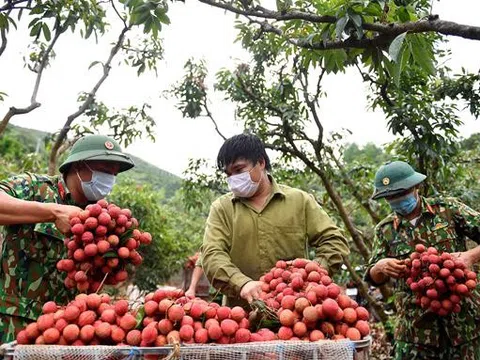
(101, 284)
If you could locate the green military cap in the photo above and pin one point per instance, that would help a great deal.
(97, 148)
(394, 178)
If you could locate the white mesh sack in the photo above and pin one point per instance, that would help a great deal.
(272, 350)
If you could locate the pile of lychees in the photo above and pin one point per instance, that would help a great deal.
(309, 305)
(88, 320)
(166, 317)
(439, 280)
(300, 295)
(104, 240)
(171, 316)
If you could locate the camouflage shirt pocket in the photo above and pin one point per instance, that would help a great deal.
(444, 237)
(399, 248)
(48, 242)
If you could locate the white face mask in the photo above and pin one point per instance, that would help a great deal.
(242, 185)
(100, 186)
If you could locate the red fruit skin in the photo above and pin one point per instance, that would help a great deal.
(420, 248)
(461, 289)
(471, 284)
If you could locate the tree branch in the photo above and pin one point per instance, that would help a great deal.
(33, 100)
(352, 187)
(352, 42)
(210, 116)
(118, 14)
(432, 24)
(11, 5)
(312, 104)
(383, 86)
(88, 101)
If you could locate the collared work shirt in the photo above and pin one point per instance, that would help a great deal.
(445, 224)
(28, 273)
(242, 243)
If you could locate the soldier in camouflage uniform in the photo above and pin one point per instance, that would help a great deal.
(35, 211)
(440, 222)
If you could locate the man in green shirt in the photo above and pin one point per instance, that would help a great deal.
(261, 222)
(440, 222)
(35, 211)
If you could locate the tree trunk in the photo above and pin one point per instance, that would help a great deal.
(337, 200)
(353, 189)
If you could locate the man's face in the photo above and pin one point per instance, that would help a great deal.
(243, 165)
(85, 169)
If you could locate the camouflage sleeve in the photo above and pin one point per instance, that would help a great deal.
(466, 219)
(19, 186)
(379, 251)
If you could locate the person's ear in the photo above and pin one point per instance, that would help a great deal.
(261, 163)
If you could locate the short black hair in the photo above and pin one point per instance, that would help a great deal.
(242, 146)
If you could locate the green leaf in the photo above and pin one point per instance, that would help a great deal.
(341, 23)
(163, 18)
(94, 63)
(396, 46)
(421, 54)
(3, 21)
(35, 31)
(403, 14)
(139, 317)
(400, 65)
(126, 235)
(373, 9)
(357, 22)
(88, 31)
(37, 10)
(46, 32)
(140, 15)
(49, 14)
(33, 22)
(110, 254)
(12, 22)
(356, 18)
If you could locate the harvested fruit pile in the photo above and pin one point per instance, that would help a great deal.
(309, 305)
(299, 296)
(88, 320)
(440, 281)
(175, 318)
(103, 242)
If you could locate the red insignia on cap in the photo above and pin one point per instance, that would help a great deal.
(109, 145)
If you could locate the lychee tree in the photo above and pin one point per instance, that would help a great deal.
(49, 20)
(276, 96)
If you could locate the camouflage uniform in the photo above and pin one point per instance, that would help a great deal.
(28, 274)
(445, 224)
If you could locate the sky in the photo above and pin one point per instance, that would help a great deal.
(201, 32)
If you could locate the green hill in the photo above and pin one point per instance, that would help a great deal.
(144, 173)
